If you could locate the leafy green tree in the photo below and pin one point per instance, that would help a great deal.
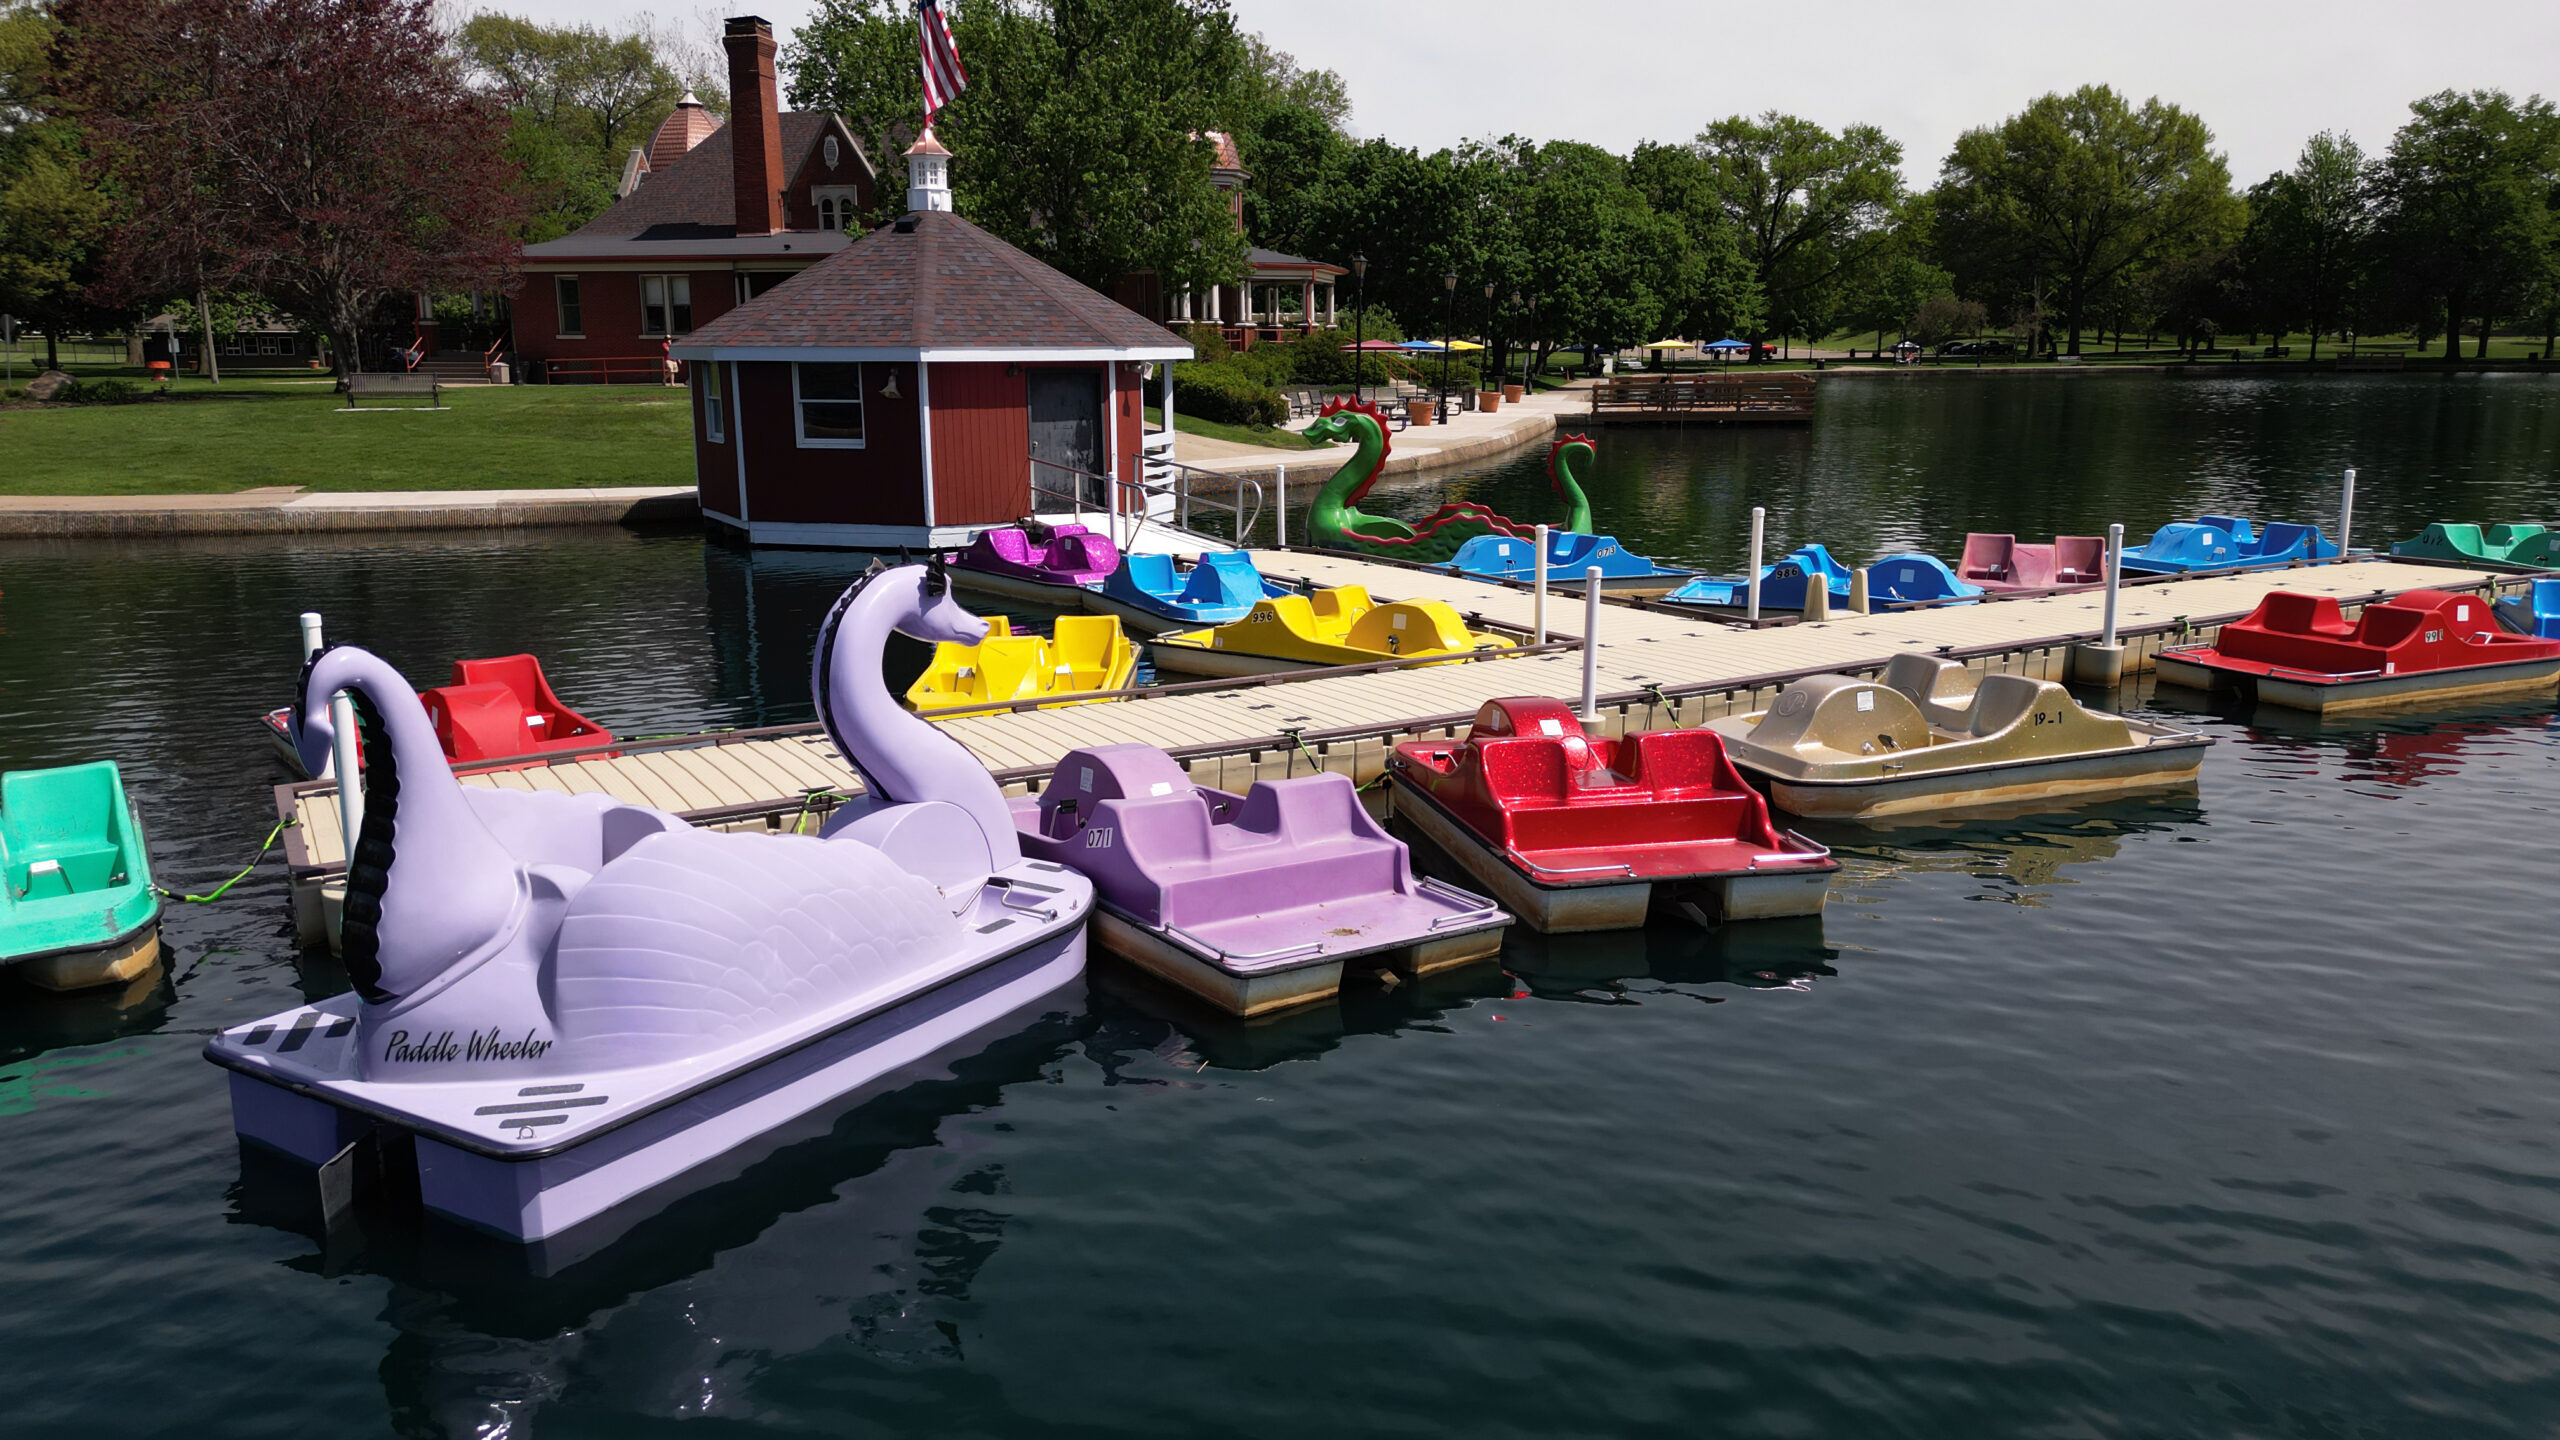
(1808, 209)
(2076, 193)
(1080, 136)
(2309, 236)
(51, 217)
(579, 99)
(2467, 205)
(1719, 294)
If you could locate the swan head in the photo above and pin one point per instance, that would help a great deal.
(314, 733)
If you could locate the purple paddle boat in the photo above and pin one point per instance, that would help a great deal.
(1044, 564)
(564, 1001)
(1257, 901)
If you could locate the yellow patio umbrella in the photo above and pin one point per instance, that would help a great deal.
(1456, 345)
(1669, 345)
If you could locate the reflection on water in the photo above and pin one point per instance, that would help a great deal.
(2216, 1112)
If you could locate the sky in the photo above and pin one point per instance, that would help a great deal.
(2264, 74)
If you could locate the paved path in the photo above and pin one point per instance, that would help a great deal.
(286, 509)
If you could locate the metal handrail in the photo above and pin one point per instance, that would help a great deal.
(1142, 491)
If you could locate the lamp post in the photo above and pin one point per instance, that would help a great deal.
(1359, 323)
(1487, 370)
(1524, 348)
(1448, 321)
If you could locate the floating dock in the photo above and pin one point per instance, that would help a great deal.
(1654, 670)
(1780, 397)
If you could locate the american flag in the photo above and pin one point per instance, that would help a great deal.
(943, 77)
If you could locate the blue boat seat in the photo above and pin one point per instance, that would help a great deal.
(1152, 573)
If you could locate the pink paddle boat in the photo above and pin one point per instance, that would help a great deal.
(1044, 564)
(1999, 562)
(1254, 902)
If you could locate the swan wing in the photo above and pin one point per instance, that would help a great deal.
(691, 940)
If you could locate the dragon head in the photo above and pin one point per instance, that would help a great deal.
(1559, 470)
(1345, 417)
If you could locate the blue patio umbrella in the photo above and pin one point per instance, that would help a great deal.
(1426, 346)
(1726, 344)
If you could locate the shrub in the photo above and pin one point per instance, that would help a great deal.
(102, 392)
(1226, 392)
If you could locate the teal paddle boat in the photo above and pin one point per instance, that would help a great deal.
(2529, 545)
(79, 909)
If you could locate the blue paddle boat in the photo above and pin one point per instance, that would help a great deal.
(1151, 596)
(2223, 542)
(2535, 612)
(1570, 553)
(1905, 579)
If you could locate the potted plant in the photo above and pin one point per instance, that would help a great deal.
(1488, 401)
(1513, 390)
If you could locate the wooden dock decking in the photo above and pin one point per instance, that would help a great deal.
(1654, 669)
(1771, 397)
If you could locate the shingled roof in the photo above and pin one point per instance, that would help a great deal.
(694, 196)
(932, 281)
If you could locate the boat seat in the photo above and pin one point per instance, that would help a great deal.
(2079, 559)
(1152, 573)
(2294, 614)
(68, 871)
(2281, 538)
(1082, 553)
(1942, 689)
(1986, 556)
(2031, 566)
(1673, 760)
(482, 721)
(2503, 538)
(1340, 605)
(2232, 525)
(1009, 543)
(2002, 700)
(1226, 578)
(1408, 627)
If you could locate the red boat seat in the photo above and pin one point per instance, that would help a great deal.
(2079, 559)
(479, 722)
(2301, 615)
(1986, 556)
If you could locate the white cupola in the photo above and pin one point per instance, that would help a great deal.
(928, 174)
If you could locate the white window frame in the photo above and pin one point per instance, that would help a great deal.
(560, 309)
(847, 204)
(714, 421)
(660, 319)
(800, 431)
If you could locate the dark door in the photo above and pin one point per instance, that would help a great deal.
(1066, 430)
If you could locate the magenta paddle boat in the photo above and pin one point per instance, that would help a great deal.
(1255, 902)
(1048, 565)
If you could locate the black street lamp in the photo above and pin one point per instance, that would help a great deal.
(1359, 322)
(1486, 371)
(1525, 347)
(1448, 319)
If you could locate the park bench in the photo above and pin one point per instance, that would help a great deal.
(361, 385)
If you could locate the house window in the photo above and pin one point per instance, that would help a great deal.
(836, 209)
(829, 398)
(713, 426)
(666, 304)
(573, 321)
(752, 283)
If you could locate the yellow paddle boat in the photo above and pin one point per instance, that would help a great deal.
(1086, 653)
(1341, 626)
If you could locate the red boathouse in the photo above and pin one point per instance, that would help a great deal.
(905, 390)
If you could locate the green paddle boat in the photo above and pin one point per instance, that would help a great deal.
(2496, 545)
(78, 908)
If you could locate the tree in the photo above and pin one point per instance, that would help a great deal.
(1081, 136)
(1719, 294)
(2309, 232)
(1807, 207)
(578, 100)
(2466, 199)
(50, 217)
(325, 154)
(2076, 192)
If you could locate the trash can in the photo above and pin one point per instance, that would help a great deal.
(499, 373)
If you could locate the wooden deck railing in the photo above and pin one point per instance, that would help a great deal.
(1782, 396)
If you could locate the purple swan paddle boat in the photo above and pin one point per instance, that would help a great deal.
(1044, 564)
(562, 1001)
(1255, 902)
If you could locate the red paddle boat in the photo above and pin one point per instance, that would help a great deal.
(1572, 833)
(493, 709)
(1999, 562)
(2301, 652)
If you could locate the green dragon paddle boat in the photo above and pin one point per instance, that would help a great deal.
(2497, 545)
(79, 909)
(1335, 521)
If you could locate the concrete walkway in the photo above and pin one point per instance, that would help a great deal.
(1469, 438)
(288, 509)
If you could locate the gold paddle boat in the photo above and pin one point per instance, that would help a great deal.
(1929, 736)
(1084, 654)
(1340, 626)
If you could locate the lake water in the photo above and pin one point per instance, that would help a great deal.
(2230, 1113)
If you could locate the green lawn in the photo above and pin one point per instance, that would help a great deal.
(290, 430)
(1270, 437)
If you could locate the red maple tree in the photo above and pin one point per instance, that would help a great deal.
(322, 153)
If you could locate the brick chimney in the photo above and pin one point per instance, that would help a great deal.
(755, 126)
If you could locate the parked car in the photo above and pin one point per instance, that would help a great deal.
(1972, 348)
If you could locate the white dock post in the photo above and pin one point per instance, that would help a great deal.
(1757, 515)
(343, 765)
(1591, 643)
(2346, 512)
(1538, 583)
(2115, 576)
(1280, 475)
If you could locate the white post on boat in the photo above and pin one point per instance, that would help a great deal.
(1757, 516)
(1280, 477)
(2346, 512)
(1591, 643)
(342, 719)
(2115, 578)
(1538, 583)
